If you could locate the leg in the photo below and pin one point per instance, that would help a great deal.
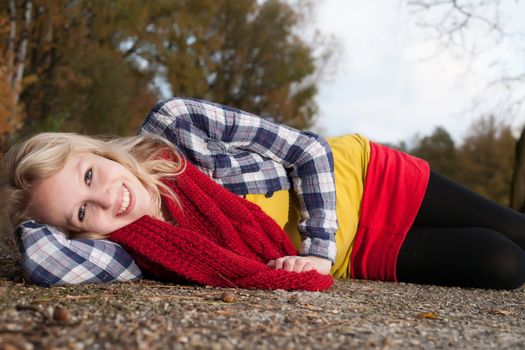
(462, 257)
(447, 204)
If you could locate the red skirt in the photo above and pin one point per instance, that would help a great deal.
(395, 185)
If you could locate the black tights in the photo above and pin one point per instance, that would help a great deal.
(461, 239)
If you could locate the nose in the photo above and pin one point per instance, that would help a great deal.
(103, 198)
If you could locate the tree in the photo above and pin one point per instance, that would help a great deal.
(244, 53)
(12, 69)
(463, 25)
(482, 162)
(485, 159)
(79, 79)
(439, 150)
(97, 67)
(11, 113)
(16, 52)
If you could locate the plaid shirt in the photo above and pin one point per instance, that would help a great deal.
(248, 154)
(240, 151)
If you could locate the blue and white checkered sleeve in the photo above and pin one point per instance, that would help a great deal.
(247, 140)
(49, 258)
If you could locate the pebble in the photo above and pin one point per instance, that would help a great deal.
(383, 315)
(228, 297)
(61, 314)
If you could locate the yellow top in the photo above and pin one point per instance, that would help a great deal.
(351, 158)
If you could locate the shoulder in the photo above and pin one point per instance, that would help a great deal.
(188, 105)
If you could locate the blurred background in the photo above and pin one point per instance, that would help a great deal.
(443, 80)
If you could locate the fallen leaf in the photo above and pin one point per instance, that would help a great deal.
(501, 312)
(428, 315)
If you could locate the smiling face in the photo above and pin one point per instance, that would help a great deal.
(90, 194)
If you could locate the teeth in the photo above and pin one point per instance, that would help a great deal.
(125, 200)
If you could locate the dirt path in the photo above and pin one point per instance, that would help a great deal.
(353, 314)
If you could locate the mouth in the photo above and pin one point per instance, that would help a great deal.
(125, 201)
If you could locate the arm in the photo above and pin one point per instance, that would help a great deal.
(49, 258)
(169, 253)
(246, 153)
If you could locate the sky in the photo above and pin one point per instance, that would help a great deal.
(392, 82)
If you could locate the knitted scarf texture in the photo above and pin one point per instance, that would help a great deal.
(219, 239)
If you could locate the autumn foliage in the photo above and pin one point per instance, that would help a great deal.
(483, 161)
(98, 67)
(11, 113)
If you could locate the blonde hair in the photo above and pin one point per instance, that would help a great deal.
(148, 157)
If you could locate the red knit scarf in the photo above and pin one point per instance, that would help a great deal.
(220, 240)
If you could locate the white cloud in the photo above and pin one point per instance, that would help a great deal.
(384, 88)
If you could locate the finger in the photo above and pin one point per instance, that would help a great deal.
(289, 264)
(279, 263)
(271, 263)
(308, 267)
(299, 265)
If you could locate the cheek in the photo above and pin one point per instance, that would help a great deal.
(144, 207)
(105, 225)
(144, 200)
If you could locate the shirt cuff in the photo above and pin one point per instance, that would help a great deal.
(321, 248)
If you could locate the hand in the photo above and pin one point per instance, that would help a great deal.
(301, 264)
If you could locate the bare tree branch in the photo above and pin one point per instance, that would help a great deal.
(456, 22)
(454, 17)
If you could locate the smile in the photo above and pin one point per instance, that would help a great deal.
(125, 201)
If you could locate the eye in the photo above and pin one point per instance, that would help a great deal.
(81, 213)
(88, 176)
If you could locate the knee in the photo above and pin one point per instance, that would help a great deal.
(507, 267)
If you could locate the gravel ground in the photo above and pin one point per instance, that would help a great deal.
(353, 314)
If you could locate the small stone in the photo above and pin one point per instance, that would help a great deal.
(294, 299)
(183, 339)
(228, 297)
(61, 314)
